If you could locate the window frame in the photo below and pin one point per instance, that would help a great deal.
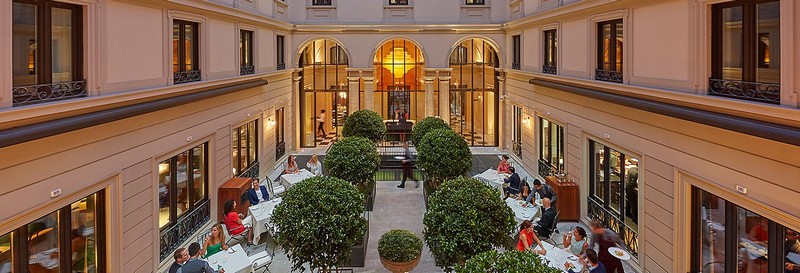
(280, 52)
(173, 197)
(551, 66)
(280, 138)
(611, 75)
(545, 154)
(194, 74)
(516, 51)
(237, 161)
(246, 52)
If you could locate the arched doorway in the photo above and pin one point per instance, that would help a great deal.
(324, 89)
(399, 85)
(474, 92)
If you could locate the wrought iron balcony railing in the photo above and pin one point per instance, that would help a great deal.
(515, 66)
(247, 69)
(280, 150)
(613, 222)
(549, 69)
(545, 169)
(322, 2)
(753, 91)
(186, 76)
(173, 236)
(608, 75)
(281, 66)
(251, 171)
(40, 93)
(517, 148)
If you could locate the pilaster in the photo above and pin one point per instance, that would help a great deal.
(444, 95)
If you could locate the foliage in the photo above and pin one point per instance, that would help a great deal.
(443, 154)
(365, 123)
(424, 126)
(353, 159)
(510, 261)
(320, 219)
(465, 218)
(399, 246)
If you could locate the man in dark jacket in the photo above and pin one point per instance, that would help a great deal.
(195, 265)
(181, 256)
(257, 194)
(544, 224)
(513, 181)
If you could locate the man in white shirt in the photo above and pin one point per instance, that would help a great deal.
(321, 122)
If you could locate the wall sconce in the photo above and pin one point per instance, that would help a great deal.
(270, 122)
(526, 120)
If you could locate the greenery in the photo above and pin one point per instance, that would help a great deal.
(424, 126)
(510, 261)
(320, 219)
(399, 246)
(354, 159)
(443, 154)
(465, 218)
(365, 123)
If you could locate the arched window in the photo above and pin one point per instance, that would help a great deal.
(459, 55)
(338, 56)
(323, 99)
(473, 92)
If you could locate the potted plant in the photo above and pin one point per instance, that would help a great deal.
(443, 154)
(365, 123)
(466, 218)
(509, 261)
(320, 220)
(424, 126)
(399, 250)
(355, 159)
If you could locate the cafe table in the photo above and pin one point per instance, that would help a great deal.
(492, 178)
(289, 180)
(233, 260)
(521, 213)
(556, 257)
(261, 215)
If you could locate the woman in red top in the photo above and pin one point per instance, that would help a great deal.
(233, 220)
(503, 166)
(526, 238)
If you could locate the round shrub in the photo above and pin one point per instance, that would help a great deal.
(465, 218)
(320, 220)
(365, 123)
(354, 159)
(424, 126)
(399, 246)
(510, 261)
(443, 154)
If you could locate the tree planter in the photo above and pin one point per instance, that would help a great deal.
(358, 254)
(400, 267)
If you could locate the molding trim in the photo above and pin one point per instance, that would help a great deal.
(39, 130)
(768, 130)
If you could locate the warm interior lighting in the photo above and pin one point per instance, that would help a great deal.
(343, 95)
(163, 168)
(271, 122)
(526, 120)
(398, 62)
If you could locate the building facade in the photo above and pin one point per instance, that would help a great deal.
(677, 119)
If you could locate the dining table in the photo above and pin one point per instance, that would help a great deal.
(557, 257)
(261, 215)
(492, 178)
(290, 179)
(233, 260)
(522, 210)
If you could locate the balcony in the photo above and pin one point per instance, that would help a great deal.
(41, 93)
(549, 69)
(247, 69)
(186, 76)
(608, 75)
(752, 91)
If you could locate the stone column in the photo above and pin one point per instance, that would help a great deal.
(430, 77)
(369, 86)
(444, 96)
(295, 113)
(352, 100)
(505, 136)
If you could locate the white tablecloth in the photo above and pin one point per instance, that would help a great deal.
(261, 215)
(289, 180)
(556, 257)
(522, 213)
(492, 178)
(236, 262)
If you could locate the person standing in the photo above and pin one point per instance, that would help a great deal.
(544, 190)
(606, 238)
(321, 122)
(408, 172)
(181, 256)
(195, 265)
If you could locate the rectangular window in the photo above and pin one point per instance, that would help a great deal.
(515, 52)
(183, 196)
(245, 147)
(729, 238)
(185, 51)
(516, 135)
(47, 46)
(475, 2)
(551, 147)
(609, 51)
(70, 239)
(280, 52)
(550, 51)
(746, 50)
(280, 141)
(398, 2)
(246, 65)
(321, 2)
(614, 192)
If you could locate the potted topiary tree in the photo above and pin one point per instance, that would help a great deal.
(320, 220)
(399, 250)
(424, 126)
(443, 154)
(465, 218)
(355, 159)
(509, 261)
(365, 123)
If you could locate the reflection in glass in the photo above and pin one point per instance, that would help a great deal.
(606, 34)
(189, 40)
(61, 44)
(164, 190)
(24, 47)
(183, 183)
(198, 173)
(83, 246)
(732, 52)
(615, 181)
(768, 49)
(712, 237)
(176, 51)
(325, 87)
(43, 244)
(473, 93)
(791, 251)
(252, 135)
(6, 254)
(599, 169)
(753, 236)
(631, 195)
